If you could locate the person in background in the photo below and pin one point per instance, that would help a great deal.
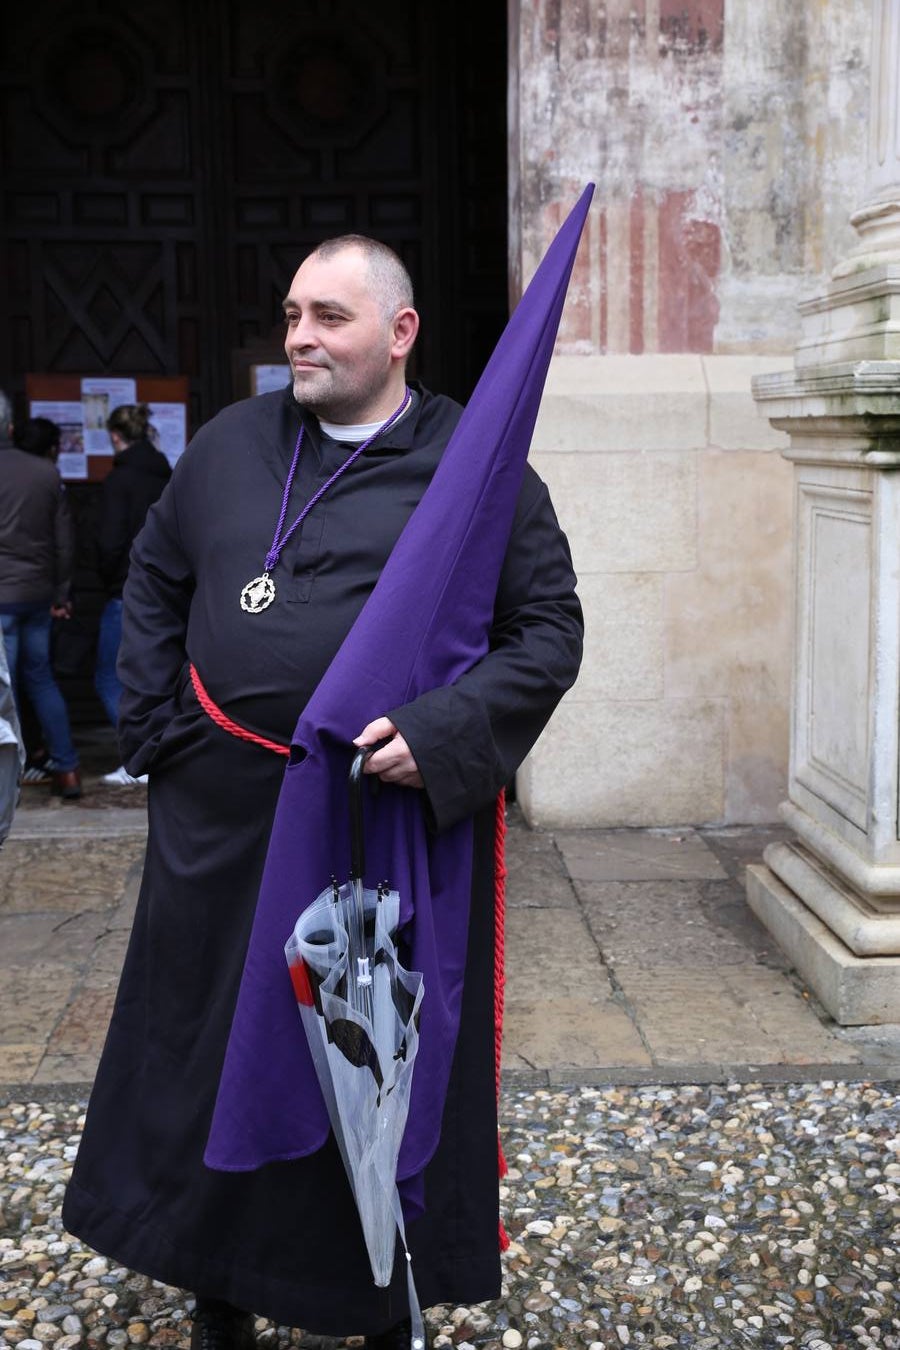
(37, 550)
(38, 436)
(136, 480)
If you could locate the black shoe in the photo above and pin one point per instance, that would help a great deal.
(218, 1326)
(395, 1338)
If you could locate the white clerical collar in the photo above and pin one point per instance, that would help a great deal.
(355, 433)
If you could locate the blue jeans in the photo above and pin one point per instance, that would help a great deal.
(106, 681)
(27, 638)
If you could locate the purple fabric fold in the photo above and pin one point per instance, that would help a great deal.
(426, 622)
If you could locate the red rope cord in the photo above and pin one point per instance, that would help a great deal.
(499, 968)
(221, 719)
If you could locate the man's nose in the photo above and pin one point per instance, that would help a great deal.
(301, 334)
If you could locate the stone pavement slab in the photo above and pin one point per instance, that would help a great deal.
(640, 922)
(68, 887)
(631, 956)
(636, 855)
(560, 1009)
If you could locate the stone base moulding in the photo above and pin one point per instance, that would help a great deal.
(867, 926)
(855, 990)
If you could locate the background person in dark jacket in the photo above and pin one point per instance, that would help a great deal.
(138, 476)
(38, 436)
(37, 548)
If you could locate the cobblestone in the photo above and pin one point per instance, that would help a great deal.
(695, 1216)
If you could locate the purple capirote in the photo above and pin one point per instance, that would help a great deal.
(426, 622)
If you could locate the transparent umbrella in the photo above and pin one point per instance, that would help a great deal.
(360, 1011)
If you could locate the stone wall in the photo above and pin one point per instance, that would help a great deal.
(727, 142)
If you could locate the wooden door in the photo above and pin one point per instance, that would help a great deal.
(166, 166)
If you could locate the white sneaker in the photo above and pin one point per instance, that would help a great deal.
(120, 777)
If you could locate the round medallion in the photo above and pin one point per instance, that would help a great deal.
(258, 594)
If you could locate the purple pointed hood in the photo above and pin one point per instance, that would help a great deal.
(426, 622)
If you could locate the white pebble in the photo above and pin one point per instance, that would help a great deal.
(512, 1338)
(692, 1284)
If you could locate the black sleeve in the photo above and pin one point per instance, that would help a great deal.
(152, 654)
(63, 548)
(113, 532)
(469, 738)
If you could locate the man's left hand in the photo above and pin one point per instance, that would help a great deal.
(394, 762)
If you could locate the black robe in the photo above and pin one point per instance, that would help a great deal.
(285, 1241)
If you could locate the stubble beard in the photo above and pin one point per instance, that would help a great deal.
(313, 393)
(331, 403)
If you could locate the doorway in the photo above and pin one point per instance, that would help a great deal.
(166, 167)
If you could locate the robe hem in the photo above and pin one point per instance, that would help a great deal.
(143, 1248)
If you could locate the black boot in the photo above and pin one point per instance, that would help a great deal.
(219, 1326)
(395, 1338)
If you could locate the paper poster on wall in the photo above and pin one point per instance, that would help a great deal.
(267, 379)
(168, 429)
(72, 460)
(99, 395)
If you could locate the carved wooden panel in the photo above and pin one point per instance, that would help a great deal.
(105, 206)
(166, 166)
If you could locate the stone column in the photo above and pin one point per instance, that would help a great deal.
(831, 897)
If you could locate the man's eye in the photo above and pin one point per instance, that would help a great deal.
(291, 319)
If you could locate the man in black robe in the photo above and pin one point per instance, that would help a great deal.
(259, 623)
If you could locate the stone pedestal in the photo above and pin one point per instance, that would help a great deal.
(844, 869)
(832, 897)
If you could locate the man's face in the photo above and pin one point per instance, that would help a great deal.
(339, 343)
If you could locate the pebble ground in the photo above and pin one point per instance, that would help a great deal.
(730, 1216)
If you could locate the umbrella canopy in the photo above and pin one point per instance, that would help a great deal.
(426, 622)
(360, 1011)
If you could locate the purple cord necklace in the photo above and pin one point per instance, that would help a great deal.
(259, 593)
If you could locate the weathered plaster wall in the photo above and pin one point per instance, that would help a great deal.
(727, 139)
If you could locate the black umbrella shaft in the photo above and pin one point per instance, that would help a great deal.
(357, 834)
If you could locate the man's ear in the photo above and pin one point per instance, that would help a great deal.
(405, 327)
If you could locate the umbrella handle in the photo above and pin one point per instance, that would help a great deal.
(357, 842)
